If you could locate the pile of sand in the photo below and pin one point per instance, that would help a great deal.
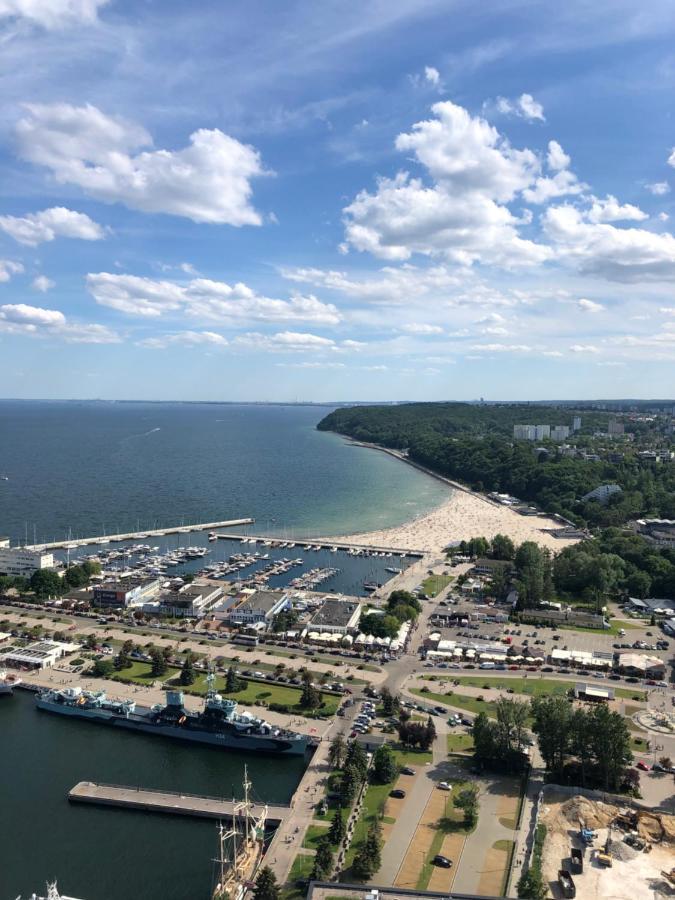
(593, 813)
(656, 827)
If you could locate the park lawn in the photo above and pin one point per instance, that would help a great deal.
(313, 835)
(406, 756)
(534, 685)
(261, 691)
(434, 584)
(460, 743)
(638, 744)
(373, 802)
(460, 701)
(300, 871)
(614, 626)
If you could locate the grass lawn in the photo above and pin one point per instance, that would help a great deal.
(301, 869)
(140, 673)
(404, 756)
(374, 799)
(434, 584)
(638, 744)
(460, 743)
(313, 835)
(509, 847)
(534, 685)
(614, 626)
(452, 821)
(460, 701)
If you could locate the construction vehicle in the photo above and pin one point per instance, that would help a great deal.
(577, 857)
(566, 883)
(626, 820)
(587, 835)
(603, 859)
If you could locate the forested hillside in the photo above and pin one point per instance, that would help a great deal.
(473, 444)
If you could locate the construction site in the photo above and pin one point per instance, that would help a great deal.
(595, 850)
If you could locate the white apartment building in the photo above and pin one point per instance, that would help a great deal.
(21, 561)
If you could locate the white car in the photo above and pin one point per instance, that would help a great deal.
(444, 786)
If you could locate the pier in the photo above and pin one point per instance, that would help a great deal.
(168, 802)
(70, 543)
(302, 542)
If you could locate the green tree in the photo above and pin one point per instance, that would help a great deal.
(90, 642)
(337, 751)
(336, 832)
(357, 757)
(529, 562)
(384, 767)
(46, 583)
(532, 886)
(467, 800)
(266, 886)
(323, 861)
(187, 674)
(610, 744)
(369, 858)
(502, 547)
(159, 663)
(76, 576)
(484, 738)
(102, 668)
(350, 782)
(122, 661)
(233, 682)
(310, 697)
(553, 726)
(91, 568)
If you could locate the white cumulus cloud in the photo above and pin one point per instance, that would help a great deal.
(659, 188)
(590, 306)
(432, 75)
(204, 299)
(525, 107)
(52, 14)
(37, 228)
(8, 268)
(207, 181)
(421, 328)
(42, 283)
(34, 321)
(187, 339)
(610, 210)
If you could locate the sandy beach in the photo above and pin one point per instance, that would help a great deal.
(463, 515)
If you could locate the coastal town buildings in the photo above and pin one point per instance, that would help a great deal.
(22, 561)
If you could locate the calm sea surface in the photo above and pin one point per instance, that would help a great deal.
(90, 468)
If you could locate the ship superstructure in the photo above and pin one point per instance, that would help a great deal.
(219, 723)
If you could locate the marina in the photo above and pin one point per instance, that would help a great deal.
(169, 802)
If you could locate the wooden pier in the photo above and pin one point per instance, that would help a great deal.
(167, 802)
(139, 535)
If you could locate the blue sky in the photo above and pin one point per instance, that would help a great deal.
(406, 199)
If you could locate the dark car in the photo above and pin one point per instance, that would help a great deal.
(407, 770)
(440, 710)
(632, 680)
(614, 677)
(442, 861)
(397, 794)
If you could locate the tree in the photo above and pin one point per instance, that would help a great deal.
(323, 861)
(46, 583)
(336, 832)
(467, 800)
(430, 734)
(122, 661)
(233, 683)
(103, 668)
(187, 675)
(531, 885)
(502, 547)
(553, 727)
(610, 745)
(159, 663)
(90, 642)
(349, 785)
(369, 858)
(484, 738)
(384, 765)
(76, 576)
(358, 758)
(91, 568)
(666, 762)
(529, 562)
(310, 697)
(337, 751)
(266, 886)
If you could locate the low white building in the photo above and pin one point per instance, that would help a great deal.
(22, 561)
(40, 655)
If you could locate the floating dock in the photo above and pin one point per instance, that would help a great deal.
(168, 802)
(70, 543)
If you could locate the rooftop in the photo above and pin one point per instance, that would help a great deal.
(335, 612)
(260, 600)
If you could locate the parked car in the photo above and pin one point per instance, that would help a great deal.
(444, 786)
(397, 794)
(407, 770)
(643, 766)
(442, 861)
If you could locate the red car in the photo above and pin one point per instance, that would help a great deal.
(643, 766)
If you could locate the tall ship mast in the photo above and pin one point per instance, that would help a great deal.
(237, 865)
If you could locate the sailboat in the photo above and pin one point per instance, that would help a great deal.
(237, 869)
(52, 894)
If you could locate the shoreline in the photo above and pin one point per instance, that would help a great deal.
(465, 514)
